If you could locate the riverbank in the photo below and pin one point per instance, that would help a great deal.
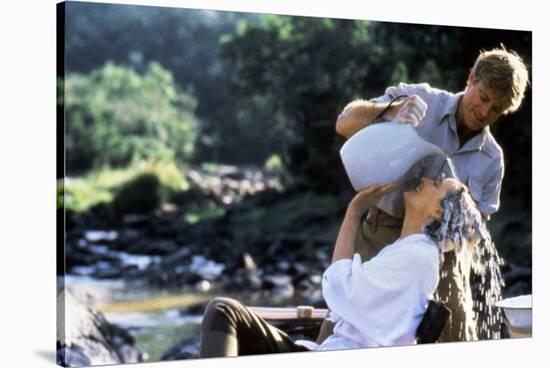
(234, 232)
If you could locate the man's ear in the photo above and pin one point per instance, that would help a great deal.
(437, 213)
(470, 79)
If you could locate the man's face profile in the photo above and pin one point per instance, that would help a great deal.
(481, 105)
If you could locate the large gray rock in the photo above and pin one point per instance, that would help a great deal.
(86, 338)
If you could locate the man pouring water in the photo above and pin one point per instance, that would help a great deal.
(459, 124)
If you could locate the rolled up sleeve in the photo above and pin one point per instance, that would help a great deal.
(382, 288)
(350, 282)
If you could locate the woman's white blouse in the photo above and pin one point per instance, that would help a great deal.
(380, 302)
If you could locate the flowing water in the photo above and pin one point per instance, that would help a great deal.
(158, 319)
(484, 260)
(486, 263)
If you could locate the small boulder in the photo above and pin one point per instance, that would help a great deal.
(85, 337)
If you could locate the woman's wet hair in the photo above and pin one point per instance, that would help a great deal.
(463, 230)
(461, 224)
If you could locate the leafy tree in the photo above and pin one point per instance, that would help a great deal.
(284, 79)
(302, 70)
(185, 41)
(115, 116)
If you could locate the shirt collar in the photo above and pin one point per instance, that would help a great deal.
(477, 142)
(449, 109)
(414, 238)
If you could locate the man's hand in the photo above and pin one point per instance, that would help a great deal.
(410, 111)
(368, 198)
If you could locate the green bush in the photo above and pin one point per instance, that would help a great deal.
(140, 195)
(102, 185)
(115, 116)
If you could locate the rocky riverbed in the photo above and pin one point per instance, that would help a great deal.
(235, 232)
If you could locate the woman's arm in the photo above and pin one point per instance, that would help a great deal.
(365, 199)
(345, 242)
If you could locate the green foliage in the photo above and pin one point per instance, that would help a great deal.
(400, 74)
(307, 53)
(274, 162)
(102, 185)
(307, 214)
(270, 83)
(115, 116)
(431, 74)
(293, 75)
(185, 41)
(80, 194)
(208, 211)
(298, 70)
(139, 195)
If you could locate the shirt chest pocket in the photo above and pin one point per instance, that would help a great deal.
(475, 188)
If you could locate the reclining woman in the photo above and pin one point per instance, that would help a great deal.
(376, 303)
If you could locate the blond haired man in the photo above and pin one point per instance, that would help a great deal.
(458, 123)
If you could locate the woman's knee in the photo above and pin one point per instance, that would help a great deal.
(220, 308)
(219, 303)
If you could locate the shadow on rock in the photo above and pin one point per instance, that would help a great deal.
(86, 338)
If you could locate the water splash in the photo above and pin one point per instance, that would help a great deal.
(476, 252)
(483, 260)
(485, 263)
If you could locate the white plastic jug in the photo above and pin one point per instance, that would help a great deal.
(383, 152)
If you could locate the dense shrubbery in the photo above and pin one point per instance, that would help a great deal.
(115, 116)
(268, 90)
(102, 185)
(302, 71)
(139, 195)
(277, 83)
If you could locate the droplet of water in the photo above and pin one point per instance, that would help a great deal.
(452, 167)
(485, 263)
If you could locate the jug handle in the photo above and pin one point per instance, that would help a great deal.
(389, 106)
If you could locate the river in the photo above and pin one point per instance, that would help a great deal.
(158, 319)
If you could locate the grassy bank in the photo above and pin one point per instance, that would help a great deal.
(102, 185)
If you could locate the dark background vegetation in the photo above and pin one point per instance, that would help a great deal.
(186, 87)
(200, 158)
